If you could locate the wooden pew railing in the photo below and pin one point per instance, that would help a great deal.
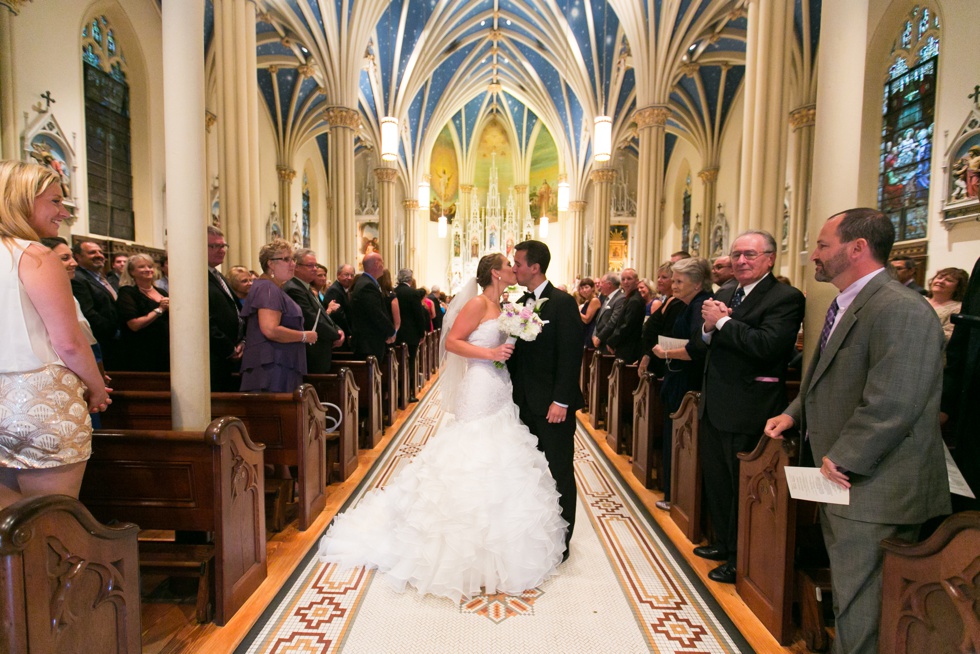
(367, 376)
(422, 373)
(389, 387)
(623, 379)
(584, 375)
(648, 432)
(599, 388)
(338, 389)
(685, 477)
(188, 481)
(931, 590)
(290, 425)
(69, 584)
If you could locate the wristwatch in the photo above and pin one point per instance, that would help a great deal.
(158, 311)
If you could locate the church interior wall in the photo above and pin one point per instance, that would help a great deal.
(268, 177)
(729, 167)
(684, 161)
(303, 161)
(40, 66)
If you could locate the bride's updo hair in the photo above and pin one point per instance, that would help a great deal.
(487, 265)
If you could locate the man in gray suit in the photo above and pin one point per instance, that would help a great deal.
(611, 311)
(869, 411)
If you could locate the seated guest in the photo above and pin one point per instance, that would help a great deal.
(690, 286)
(274, 360)
(660, 323)
(240, 281)
(143, 318)
(589, 308)
(946, 291)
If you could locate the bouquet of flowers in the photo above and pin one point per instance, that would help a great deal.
(521, 322)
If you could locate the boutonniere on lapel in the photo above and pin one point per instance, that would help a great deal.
(521, 322)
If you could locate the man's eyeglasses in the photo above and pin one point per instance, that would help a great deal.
(306, 265)
(750, 255)
(217, 246)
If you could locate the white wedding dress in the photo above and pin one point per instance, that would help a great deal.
(475, 511)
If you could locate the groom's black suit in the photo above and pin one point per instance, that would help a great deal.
(545, 371)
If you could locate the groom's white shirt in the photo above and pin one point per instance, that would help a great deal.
(537, 296)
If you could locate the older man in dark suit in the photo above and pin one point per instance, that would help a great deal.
(611, 311)
(339, 292)
(749, 331)
(97, 299)
(319, 356)
(415, 321)
(626, 340)
(224, 324)
(371, 320)
(869, 409)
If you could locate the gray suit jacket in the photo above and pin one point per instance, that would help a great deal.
(609, 316)
(870, 403)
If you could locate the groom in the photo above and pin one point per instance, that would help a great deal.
(545, 373)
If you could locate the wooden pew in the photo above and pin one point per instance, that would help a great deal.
(599, 388)
(434, 338)
(188, 481)
(405, 382)
(584, 375)
(69, 584)
(930, 590)
(422, 372)
(685, 478)
(623, 380)
(340, 390)
(367, 376)
(389, 387)
(648, 432)
(290, 425)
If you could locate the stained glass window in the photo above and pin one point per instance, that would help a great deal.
(306, 211)
(908, 117)
(686, 217)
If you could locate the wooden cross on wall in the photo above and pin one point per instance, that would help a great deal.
(48, 100)
(975, 96)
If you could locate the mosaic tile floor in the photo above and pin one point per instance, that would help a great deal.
(622, 590)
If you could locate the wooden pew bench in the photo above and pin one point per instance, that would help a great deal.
(599, 388)
(648, 432)
(685, 477)
(291, 426)
(188, 481)
(623, 380)
(367, 376)
(69, 583)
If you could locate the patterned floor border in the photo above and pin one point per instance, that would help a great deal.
(674, 611)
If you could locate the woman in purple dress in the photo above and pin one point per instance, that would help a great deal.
(274, 360)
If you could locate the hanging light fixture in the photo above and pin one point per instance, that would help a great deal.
(563, 192)
(425, 197)
(443, 226)
(543, 227)
(602, 146)
(389, 138)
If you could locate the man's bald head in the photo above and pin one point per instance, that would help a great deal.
(374, 265)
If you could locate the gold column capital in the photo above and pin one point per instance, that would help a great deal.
(577, 205)
(209, 120)
(466, 188)
(286, 174)
(655, 116)
(520, 188)
(709, 175)
(342, 117)
(387, 175)
(603, 176)
(803, 116)
(410, 205)
(690, 68)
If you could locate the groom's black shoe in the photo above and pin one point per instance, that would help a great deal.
(711, 553)
(723, 574)
(564, 557)
(413, 399)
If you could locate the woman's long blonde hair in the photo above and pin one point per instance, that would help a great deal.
(20, 184)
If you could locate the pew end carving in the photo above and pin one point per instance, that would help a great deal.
(648, 432)
(685, 478)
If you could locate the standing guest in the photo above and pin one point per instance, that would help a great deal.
(869, 407)
(946, 291)
(50, 381)
(388, 290)
(372, 322)
(648, 291)
(300, 288)
(319, 283)
(224, 324)
(612, 309)
(440, 310)
(415, 322)
(274, 360)
(429, 306)
(690, 286)
(240, 282)
(589, 308)
(722, 273)
(339, 292)
(144, 318)
(116, 269)
(660, 323)
(750, 334)
(625, 341)
(904, 268)
(504, 299)
(163, 282)
(97, 297)
(680, 254)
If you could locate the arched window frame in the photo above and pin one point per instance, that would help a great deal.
(908, 120)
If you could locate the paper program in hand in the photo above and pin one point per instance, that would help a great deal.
(808, 484)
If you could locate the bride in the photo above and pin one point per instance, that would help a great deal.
(477, 510)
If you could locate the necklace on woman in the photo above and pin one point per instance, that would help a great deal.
(144, 291)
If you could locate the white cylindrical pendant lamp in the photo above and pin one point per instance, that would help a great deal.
(563, 192)
(425, 198)
(602, 145)
(443, 226)
(543, 227)
(389, 138)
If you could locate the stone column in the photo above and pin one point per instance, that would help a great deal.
(709, 178)
(286, 177)
(238, 131)
(464, 206)
(576, 221)
(412, 241)
(520, 203)
(183, 110)
(9, 142)
(650, 122)
(836, 138)
(801, 120)
(764, 128)
(340, 179)
(386, 214)
(602, 179)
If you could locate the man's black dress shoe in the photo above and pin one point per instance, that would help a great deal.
(711, 553)
(723, 574)
(413, 399)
